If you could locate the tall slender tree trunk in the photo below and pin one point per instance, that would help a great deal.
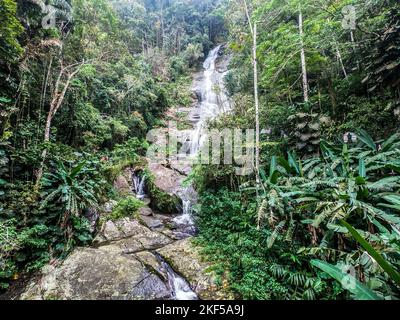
(44, 153)
(353, 45)
(162, 28)
(248, 16)
(253, 30)
(56, 102)
(339, 56)
(303, 59)
(257, 105)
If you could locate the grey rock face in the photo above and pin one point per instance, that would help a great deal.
(92, 274)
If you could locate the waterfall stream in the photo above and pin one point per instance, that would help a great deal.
(138, 185)
(179, 286)
(213, 101)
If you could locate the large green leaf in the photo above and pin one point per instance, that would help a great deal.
(327, 150)
(360, 291)
(385, 183)
(373, 253)
(75, 171)
(273, 177)
(389, 143)
(366, 139)
(362, 172)
(294, 163)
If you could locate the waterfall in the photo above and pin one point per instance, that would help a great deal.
(213, 101)
(189, 197)
(179, 286)
(138, 185)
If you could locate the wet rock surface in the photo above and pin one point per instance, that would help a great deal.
(125, 264)
(92, 274)
(165, 188)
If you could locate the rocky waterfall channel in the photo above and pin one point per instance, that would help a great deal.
(151, 255)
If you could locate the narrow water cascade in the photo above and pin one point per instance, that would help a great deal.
(189, 198)
(179, 286)
(139, 185)
(213, 101)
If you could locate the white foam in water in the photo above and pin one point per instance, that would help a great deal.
(138, 185)
(179, 286)
(182, 290)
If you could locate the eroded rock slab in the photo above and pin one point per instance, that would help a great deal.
(93, 274)
(151, 222)
(127, 235)
(152, 263)
(166, 179)
(121, 184)
(122, 228)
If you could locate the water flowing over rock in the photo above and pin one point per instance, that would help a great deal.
(139, 185)
(212, 97)
(125, 267)
(185, 259)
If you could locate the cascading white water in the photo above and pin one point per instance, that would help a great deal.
(213, 101)
(138, 185)
(188, 196)
(179, 286)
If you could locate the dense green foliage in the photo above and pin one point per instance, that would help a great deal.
(126, 207)
(298, 218)
(287, 239)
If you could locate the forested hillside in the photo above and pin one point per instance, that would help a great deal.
(83, 81)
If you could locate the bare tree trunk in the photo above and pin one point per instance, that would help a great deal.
(248, 16)
(257, 105)
(339, 55)
(44, 153)
(353, 45)
(56, 102)
(162, 28)
(253, 30)
(303, 59)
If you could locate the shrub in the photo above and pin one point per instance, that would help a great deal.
(126, 207)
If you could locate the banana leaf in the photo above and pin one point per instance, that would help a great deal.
(360, 291)
(373, 253)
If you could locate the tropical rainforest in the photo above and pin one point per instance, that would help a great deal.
(82, 82)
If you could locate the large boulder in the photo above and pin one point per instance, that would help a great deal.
(121, 184)
(185, 259)
(109, 206)
(124, 182)
(92, 274)
(165, 186)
